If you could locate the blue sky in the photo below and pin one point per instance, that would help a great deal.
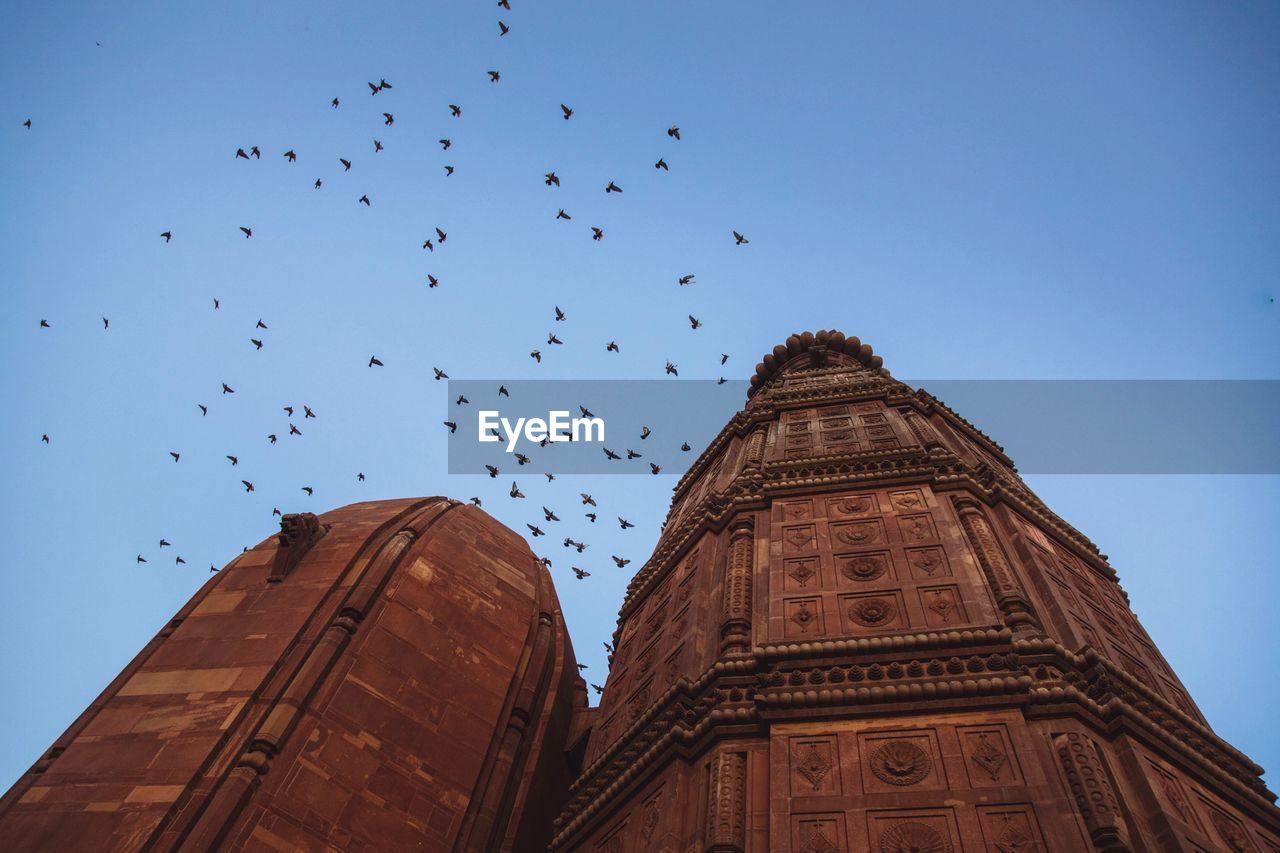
(1082, 190)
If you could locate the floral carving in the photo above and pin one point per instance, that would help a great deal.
(871, 612)
(802, 572)
(989, 757)
(803, 615)
(854, 506)
(1013, 838)
(859, 534)
(1231, 832)
(798, 538)
(940, 602)
(912, 837)
(926, 561)
(900, 762)
(863, 568)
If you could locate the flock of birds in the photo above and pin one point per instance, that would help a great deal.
(257, 337)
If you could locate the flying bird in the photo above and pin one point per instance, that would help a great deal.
(388, 119)
(291, 156)
(106, 324)
(307, 413)
(227, 389)
(560, 214)
(587, 500)
(175, 456)
(256, 343)
(503, 29)
(493, 472)
(685, 279)
(255, 152)
(374, 361)
(272, 438)
(551, 179)
(335, 103)
(521, 459)
(248, 487)
(45, 438)
(377, 146)
(503, 392)
(448, 170)
(567, 111)
(204, 410)
(685, 447)
(580, 573)
(293, 430)
(359, 476)
(248, 232)
(655, 469)
(515, 490)
(536, 355)
(317, 183)
(723, 358)
(432, 281)
(645, 432)
(346, 164)
(178, 561)
(536, 531)
(674, 132)
(552, 339)
(235, 460)
(613, 188)
(591, 516)
(597, 688)
(456, 110)
(609, 454)
(141, 559)
(445, 143)
(694, 322)
(364, 199)
(631, 454)
(240, 154)
(441, 236)
(429, 246)
(671, 368)
(506, 4)
(288, 410)
(621, 563)
(440, 374)
(662, 164)
(27, 124)
(164, 543)
(739, 239)
(494, 76)
(453, 427)
(623, 523)
(596, 234)
(167, 235)
(310, 491)
(612, 347)
(550, 516)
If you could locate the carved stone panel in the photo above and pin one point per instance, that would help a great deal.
(727, 803)
(815, 766)
(1010, 829)
(864, 568)
(898, 761)
(942, 606)
(928, 563)
(799, 539)
(989, 759)
(804, 618)
(917, 529)
(801, 573)
(857, 534)
(818, 833)
(873, 612)
(914, 831)
(852, 506)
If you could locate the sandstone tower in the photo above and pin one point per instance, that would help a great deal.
(861, 631)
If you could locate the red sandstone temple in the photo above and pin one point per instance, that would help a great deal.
(860, 631)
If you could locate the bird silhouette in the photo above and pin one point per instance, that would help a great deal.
(503, 29)
(631, 454)
(623, 523)
(587, 500)
(178, 561)
(536, 355)
(44, 324)
(550, 516)
(694, 322)
(723, 358)
(293, 430)
(234, 461)
(288, 410)
(456, 110)
(494, 76)
(248, 487)
(45, 438)
(551, 179)
(552, 339)
(448, 170)
(645, 432)
(175, 456)
(241, 154)
(272, 438)
(255, 152)
(621, 563)
(307, 413)
(503, 392)
(560, 214)
(613, 188)
(374, 361)
(506, 4)
(445, 143)
(27, 124)
(377, 146)
(568, 111)
(580, 573)
(432, 281)
(739, 240)
(248, 232)
(673, 132)
(141, 559)
(335, 103)
(364, 199)
(591, 516)
(654, 468)
(441, 236)
(685, 279)
(609, 454)
(317, 183)
(596, 234)
(346, 164)
(257, 344)
(227, 389)
(359, 476)
(685, 447)
(291, 156)
(310, 491)
(536, 531)
(521, 459)
(388, 119)
(671, 369)
(515, 491)
(167, 235)
(440, 374)
(493, 472)
(597, 688)
(204, 410)
(612, 347)
(662, 164)
(165, 543)
(106, 324)
(453, 427)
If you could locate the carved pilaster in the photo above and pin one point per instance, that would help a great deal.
(735, 629)
(923, 430)
(1010, 597)
(727, 804)
(1092, 791)
(298, 532)
(753, 456)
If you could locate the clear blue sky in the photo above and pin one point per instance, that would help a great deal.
(1085, 190)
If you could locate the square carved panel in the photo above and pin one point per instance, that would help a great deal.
(799, 539)
(908, 500)
(873, 612)
(815, 766)
(797, 510)
(1011, 828)
(933, 830)
(864, 568)
(803, 618)
(818, 833)
(917, 529)
(857, 534)
(801, 573)
(853, 506)
(901, 761)
(989, 759)
(942, 606)
(928, 563)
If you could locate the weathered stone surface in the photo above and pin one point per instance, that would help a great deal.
(404, 681)
(861, 631)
